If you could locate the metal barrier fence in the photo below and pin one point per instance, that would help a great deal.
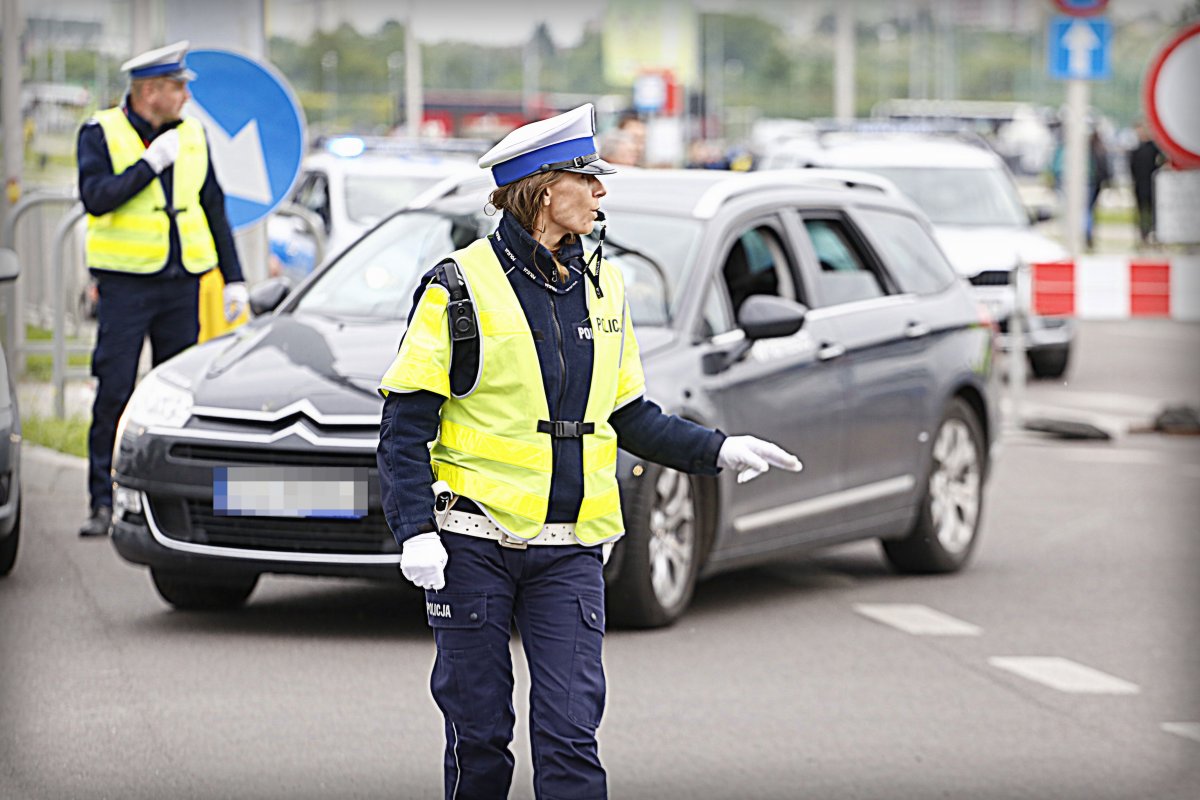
(52, 282)
(50, 291)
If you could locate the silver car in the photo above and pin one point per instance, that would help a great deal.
(811, 308)
(978, 218)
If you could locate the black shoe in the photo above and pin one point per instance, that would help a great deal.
(98, 523)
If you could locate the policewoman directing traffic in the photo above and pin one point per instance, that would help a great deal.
(520, 365)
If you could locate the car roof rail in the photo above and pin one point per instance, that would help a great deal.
(812, 178)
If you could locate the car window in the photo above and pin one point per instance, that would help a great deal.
(655, 253)
(912, 257)
(960, 196)
(756, 264)
(377, 276)
(718, 316)
(370, 198)
(845, 274)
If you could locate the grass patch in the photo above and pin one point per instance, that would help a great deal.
(40, 366)
(1116, 216)
(65, 435)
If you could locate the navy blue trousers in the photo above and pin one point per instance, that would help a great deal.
(555, 594)
(132, 307)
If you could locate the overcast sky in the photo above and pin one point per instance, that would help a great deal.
(505, 21)
(502, 22)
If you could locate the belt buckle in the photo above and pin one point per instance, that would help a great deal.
(512, 543)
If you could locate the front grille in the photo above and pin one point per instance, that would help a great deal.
(227, 456)
(191, 520)
(992, 277)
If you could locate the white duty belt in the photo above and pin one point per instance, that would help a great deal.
(480, 525)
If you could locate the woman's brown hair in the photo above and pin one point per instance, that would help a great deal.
(523, 199)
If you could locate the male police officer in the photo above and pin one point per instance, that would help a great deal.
(156, 223)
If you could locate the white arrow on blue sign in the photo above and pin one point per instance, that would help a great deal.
(1079, 47)
(255, 130)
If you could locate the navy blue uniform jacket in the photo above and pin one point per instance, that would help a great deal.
(102, 192)
(410, 419)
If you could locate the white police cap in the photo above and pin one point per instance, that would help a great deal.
(564, 142)
(165, 62)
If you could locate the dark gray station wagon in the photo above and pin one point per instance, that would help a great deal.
(812, 308)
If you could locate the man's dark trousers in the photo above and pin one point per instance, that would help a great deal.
(130, 308)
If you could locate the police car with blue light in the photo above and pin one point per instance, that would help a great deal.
(812, 307)
(349, 183)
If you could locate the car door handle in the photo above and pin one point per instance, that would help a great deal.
(915, 330)
(830, 350)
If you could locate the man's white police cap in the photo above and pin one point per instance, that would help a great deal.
(564, 142)
(164, 62)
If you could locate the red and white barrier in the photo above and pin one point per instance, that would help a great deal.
(1118, 287)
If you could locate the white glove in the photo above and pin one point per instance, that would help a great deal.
(162, 151)
(423, 561)
(752, 457)
(235, 297)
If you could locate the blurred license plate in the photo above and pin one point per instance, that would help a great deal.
(266, 491)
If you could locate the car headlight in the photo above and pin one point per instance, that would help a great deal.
(159, 401)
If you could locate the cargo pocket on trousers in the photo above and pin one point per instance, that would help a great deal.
(585, 704)
(464, 682)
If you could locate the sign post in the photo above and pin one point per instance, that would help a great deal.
(1079, 49)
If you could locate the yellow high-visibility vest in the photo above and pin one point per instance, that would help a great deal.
(488, 446)
(134, 238)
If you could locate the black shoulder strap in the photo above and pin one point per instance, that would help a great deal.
(454, 281)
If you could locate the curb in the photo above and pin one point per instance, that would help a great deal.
(44, 469)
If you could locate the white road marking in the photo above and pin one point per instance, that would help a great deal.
(917, 619)
(1188, 730)
(1064, 675)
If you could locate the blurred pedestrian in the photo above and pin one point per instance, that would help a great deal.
(156, 222)
(1144, 161)
(521, 366)
(619, 147)
(1099, 174)
(634, 127)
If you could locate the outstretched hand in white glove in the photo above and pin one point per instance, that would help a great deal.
(752, 456)
(162, 151)
(235, 297)
(423, 561)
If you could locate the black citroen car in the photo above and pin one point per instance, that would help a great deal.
(812, 308)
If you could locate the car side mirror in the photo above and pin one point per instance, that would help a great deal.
(1041, 214)
(266, 296)
(10, 266)
(764, 316)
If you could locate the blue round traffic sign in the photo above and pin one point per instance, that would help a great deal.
(255, 130)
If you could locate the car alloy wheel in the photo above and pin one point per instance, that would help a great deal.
(954, 486)
(652, 572)
(672, 538)
(951, 504)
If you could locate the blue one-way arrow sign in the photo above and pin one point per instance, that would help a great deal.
(255, 130)
(1079, 47)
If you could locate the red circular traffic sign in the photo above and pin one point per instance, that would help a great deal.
(1169, 97)
(1081, 8)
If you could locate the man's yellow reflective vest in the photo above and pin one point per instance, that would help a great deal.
(134, 238)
